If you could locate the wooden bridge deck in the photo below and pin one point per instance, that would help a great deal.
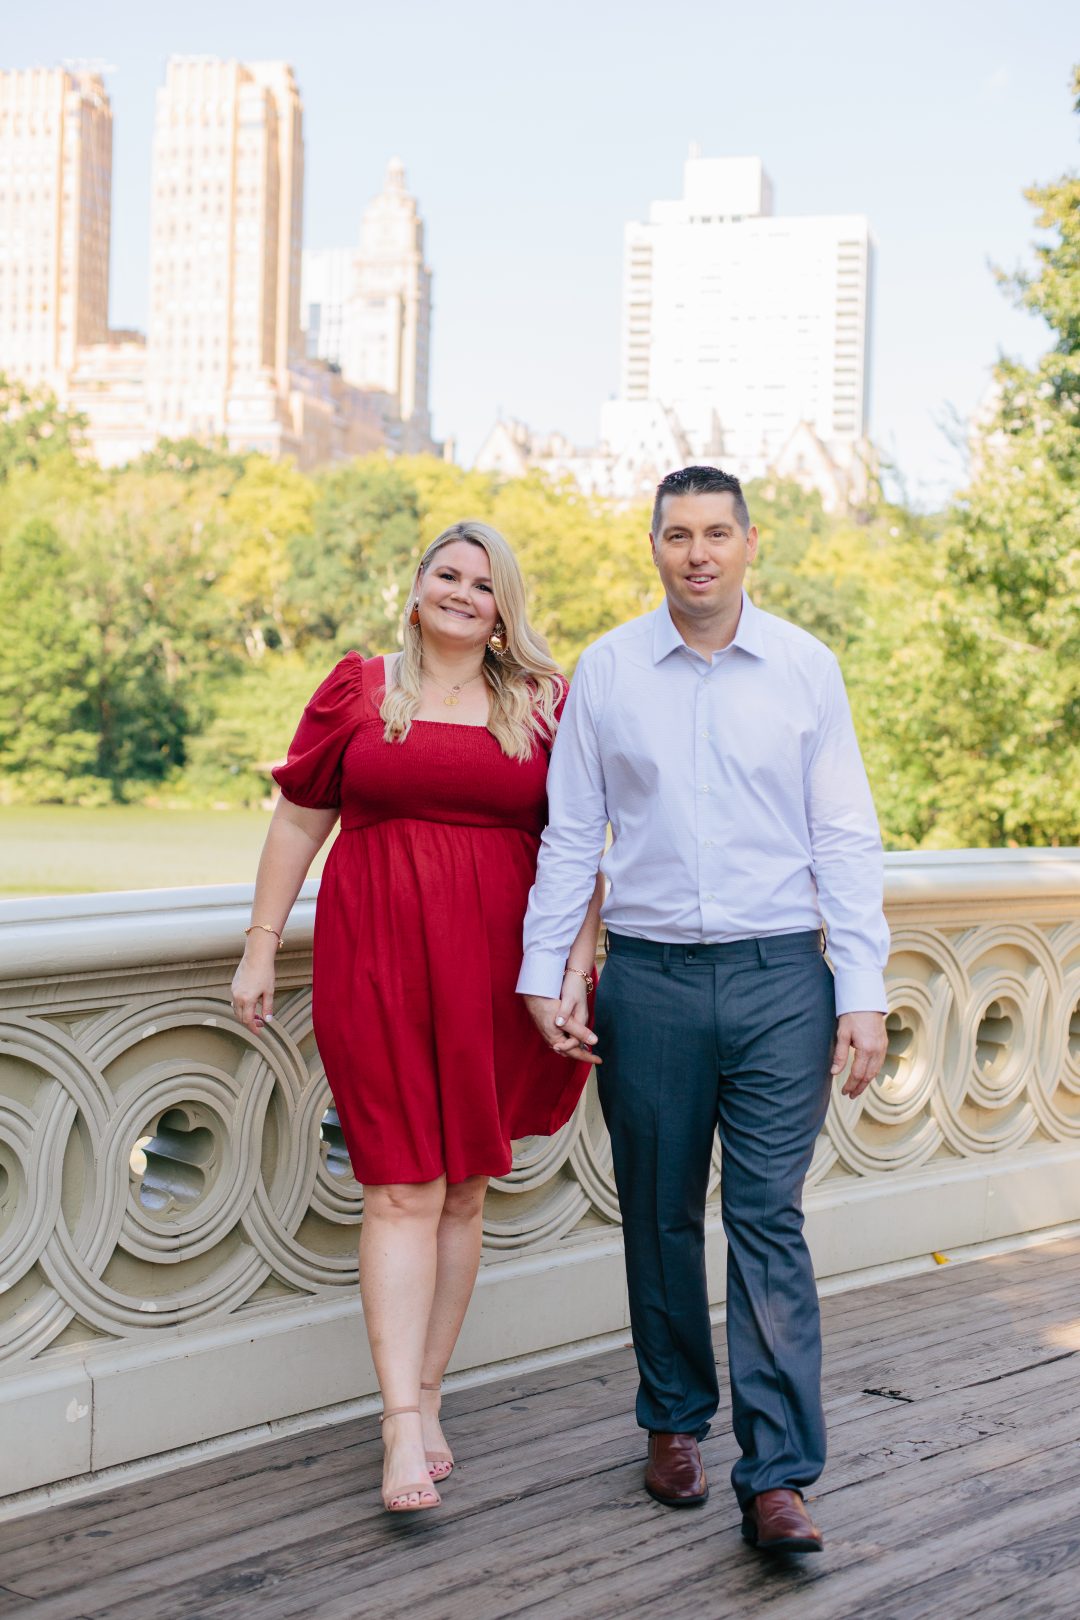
(953, 1489)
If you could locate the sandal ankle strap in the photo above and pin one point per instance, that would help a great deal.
(397, 1411)
(432, 1386)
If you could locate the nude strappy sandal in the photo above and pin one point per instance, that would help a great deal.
(395, 1503)
(440, 1463)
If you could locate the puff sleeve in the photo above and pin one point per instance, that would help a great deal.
(311, 776)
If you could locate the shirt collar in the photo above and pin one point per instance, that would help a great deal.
(748, 636)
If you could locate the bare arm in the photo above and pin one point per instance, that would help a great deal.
(294, 838)
(564, 1022)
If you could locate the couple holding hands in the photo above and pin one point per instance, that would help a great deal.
(475, 790)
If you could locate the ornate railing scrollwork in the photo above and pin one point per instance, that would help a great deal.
(160, 1167)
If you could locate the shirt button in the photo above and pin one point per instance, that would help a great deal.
(705, 734)
(710, 897)
(704, 790)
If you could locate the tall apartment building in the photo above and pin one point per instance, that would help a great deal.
(325, 283)
(369, 312)
(55, 202)
(225, 249)
(751, 327)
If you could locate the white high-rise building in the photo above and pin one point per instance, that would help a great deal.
(225, 251)
(325, 282)
(751, 327)
(55, 202)
(369, 312)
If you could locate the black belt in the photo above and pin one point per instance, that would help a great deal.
(732, 950)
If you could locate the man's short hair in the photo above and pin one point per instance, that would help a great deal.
(700, 481)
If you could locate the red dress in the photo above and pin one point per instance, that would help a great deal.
(432, 1058)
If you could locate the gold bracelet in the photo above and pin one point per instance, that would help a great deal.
(267, 928)
(589, 986)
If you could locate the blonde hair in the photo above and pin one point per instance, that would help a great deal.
(524, 681)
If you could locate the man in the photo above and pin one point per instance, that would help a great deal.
(717, 741)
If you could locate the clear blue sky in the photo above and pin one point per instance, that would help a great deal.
(531, 133)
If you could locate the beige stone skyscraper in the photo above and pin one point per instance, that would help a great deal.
(225, 252)
(387, 318)
(55, 201)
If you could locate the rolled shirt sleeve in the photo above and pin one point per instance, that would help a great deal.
(571, 846)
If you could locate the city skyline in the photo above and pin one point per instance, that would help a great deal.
(367, 310)
(529, 164)
(224, 353)
(745, 321)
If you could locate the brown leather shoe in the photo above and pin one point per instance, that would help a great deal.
(777, 1521)
(675, 1474)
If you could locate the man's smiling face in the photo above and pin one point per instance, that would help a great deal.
(702, 553)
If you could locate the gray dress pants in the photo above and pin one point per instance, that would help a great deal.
(736, 1037)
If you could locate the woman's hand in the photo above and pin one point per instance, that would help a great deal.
(564, 1024)
(253, 985)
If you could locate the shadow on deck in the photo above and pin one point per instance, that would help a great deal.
(953, 1489)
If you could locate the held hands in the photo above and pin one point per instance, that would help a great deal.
(253, 983)
(564, 1023)
(864, 1034)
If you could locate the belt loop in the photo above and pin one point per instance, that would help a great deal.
(762, 953)
(667, 958)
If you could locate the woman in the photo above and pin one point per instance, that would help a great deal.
(436, 760)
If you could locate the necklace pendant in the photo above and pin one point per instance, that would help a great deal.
(450, 701)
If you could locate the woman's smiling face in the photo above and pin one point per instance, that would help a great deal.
(456, 598)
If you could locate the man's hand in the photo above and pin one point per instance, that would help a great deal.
(864, 1034)
(562, 1024)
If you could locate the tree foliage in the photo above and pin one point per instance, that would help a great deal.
(33, 429)
(1004, 634)
(165, 622)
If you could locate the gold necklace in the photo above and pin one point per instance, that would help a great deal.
(453, 693)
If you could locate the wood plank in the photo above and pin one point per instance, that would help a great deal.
(867, 1462)
(357, 1513)
(951, 1319)
(1053, 1599)
(932, 1308)
(546, 1514)
(185, 1491)
(932, 1535)
(1004, 1574)
(686, 1518)
(1058, 1259)
(507, 1428)
(585, 1521)
(12, 1604)
(102, 1509)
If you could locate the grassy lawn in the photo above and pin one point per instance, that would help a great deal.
(53, 850)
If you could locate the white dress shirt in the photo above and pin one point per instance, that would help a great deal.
(736, 795)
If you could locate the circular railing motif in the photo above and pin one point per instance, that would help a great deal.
(161, 1166)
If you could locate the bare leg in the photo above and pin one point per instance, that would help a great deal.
(398, 1264)
(459, 1236)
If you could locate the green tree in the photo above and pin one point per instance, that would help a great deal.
(1011, 624)
(33, 428)
(267, 512)
(349, 572)
(191, 456)
(48, 736)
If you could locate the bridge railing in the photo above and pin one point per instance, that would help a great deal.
(178, 1219)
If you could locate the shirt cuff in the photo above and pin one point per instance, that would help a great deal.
(859, 990)
(542, 974)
